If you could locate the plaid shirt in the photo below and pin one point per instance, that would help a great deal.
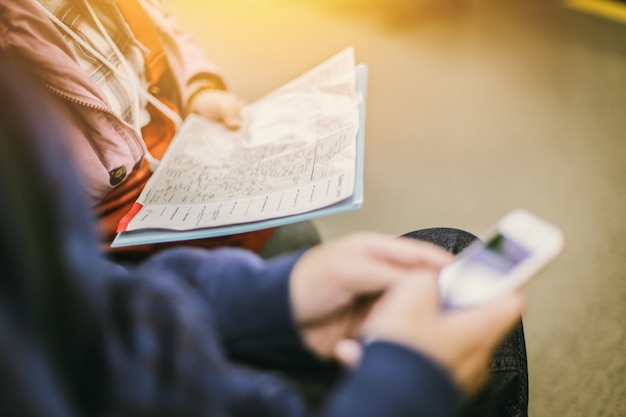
(76, 17)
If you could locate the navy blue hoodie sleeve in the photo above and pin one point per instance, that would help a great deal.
(249, 298)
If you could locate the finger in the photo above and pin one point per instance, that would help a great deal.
(423, 292)
(507, 312)
(348, 352)
(495, 319)
(372, 276)
(473, 374)
(232, 122)
(231, 115)
(407, 252)
(407, 312)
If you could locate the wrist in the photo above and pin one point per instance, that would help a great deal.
(201, 84)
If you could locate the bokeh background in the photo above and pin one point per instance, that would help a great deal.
(476, 107)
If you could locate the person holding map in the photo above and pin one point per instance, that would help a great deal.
(127, 74)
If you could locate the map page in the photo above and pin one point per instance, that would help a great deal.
(294, 153)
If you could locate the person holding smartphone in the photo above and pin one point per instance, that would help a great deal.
(176, 335)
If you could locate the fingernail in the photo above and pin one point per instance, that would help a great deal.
(233, 122)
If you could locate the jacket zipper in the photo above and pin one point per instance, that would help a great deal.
(104, 109)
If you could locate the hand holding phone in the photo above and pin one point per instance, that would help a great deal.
(514, 251)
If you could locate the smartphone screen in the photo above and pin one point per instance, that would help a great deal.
(498, 257)
(481, 271)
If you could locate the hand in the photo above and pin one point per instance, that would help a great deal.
(461, 340)
(334, 285)
(219, 105)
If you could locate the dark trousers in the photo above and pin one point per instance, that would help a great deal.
(506, 393)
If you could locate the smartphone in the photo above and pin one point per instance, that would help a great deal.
(507, 257)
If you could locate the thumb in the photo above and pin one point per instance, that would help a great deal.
(232, 119)
(496, 318)
(348, 352)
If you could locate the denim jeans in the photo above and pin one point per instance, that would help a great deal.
(506, 393)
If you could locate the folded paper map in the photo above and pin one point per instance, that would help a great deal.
(298, 155)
